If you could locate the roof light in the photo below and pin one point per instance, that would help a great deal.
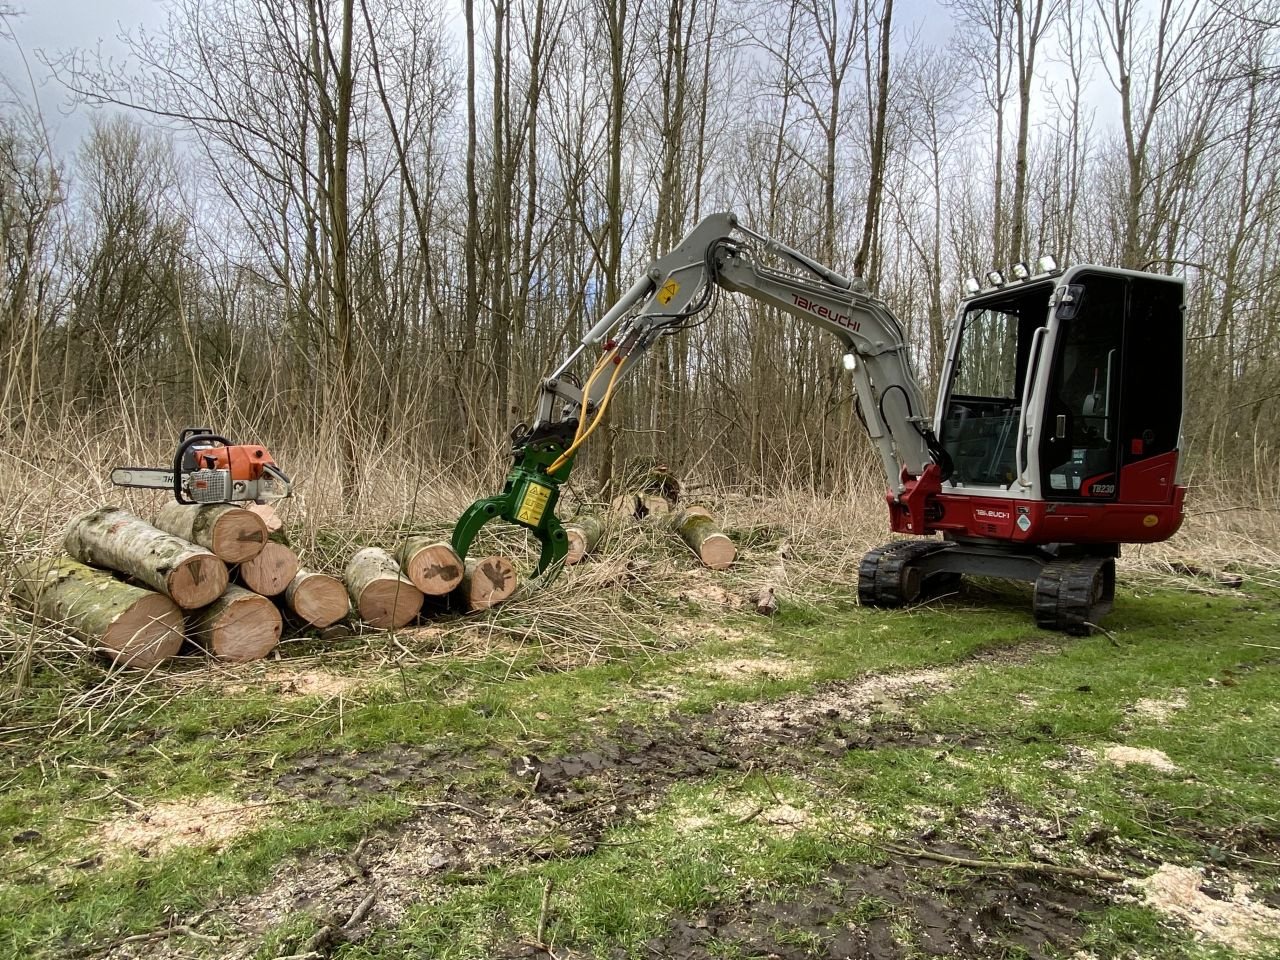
(1047, 264)
(971, 286)
(995, 278)
(1020, 270)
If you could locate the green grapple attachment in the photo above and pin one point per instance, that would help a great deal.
(528, 499)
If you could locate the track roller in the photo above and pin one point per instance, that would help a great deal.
(1072, 594)
(890, 576)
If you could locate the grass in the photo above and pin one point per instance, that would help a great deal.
(636, 641)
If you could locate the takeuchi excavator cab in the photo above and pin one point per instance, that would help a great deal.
(1060, 415)
(1062, 410)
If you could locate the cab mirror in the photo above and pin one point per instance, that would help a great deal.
(1067, 299)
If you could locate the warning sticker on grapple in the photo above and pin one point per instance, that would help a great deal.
(669, 290)
(534, 504)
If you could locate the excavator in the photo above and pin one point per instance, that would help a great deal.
(1054, 439)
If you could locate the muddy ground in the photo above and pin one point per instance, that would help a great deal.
(561, 806)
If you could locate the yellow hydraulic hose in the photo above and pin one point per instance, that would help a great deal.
(595, 421)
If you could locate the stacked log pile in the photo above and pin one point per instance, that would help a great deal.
(226, 579)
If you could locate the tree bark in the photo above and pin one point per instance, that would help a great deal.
(585, 533)
(132, 626)
(383, 596)
(232, 533)
(239, 626)
(317, 598)
(709, 543)
(431, 565)
(486, 583)
(109, 537)
(271, 571)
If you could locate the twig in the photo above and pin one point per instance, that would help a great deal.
(749, 817)
(1016, 866)
(1105, 632)
(543, 909)
(362, 910)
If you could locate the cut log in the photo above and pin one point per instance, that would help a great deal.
(584, 534)
(109, 537)
(239, 626)
(698, 529)
(486, 583)
(271, 571)
(431, 565)
(233, 533)
(384, 597)
(132, 626)
(317, 598)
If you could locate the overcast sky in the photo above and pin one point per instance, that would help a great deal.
(54, 25)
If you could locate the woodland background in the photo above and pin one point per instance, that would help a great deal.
(360, 231)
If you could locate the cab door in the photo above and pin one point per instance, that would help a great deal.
(1113, 404)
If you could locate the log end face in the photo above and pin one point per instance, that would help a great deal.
(271, 571)
(146, 634)
(389, 604)
(577, 546)
(247, 629)
(239, 535)
(197, 580)
(717, 551)
(320, 600)
(435, 569)
(489, 582)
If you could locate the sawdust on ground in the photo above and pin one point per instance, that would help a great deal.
(1158, 710)
(1237, 922)
(288, 682)
(778, 816)
(880, 693)
(750, 668)
(210, 821)
(1146, 756)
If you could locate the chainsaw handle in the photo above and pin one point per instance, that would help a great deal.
(190, 437)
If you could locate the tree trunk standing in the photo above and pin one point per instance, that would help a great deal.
(334, 134)
(109, 537)
(615, 14)
(543, 43)
(132, 626)
(875, 187)
(500, 220)
(1030, 31)
(472, 260)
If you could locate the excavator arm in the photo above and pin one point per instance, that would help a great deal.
(718, 254)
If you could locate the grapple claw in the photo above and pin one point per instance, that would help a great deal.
(528, 499)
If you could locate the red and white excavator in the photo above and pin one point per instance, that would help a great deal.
(1054, 440)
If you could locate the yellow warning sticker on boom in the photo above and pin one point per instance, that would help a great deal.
(669, 290)
(534, 504)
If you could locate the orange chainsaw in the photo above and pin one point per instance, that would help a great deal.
(208, 468)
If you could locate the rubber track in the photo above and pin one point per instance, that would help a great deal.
(880, 572)
(1064, 595)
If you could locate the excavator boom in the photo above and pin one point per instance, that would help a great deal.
(718, 254)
